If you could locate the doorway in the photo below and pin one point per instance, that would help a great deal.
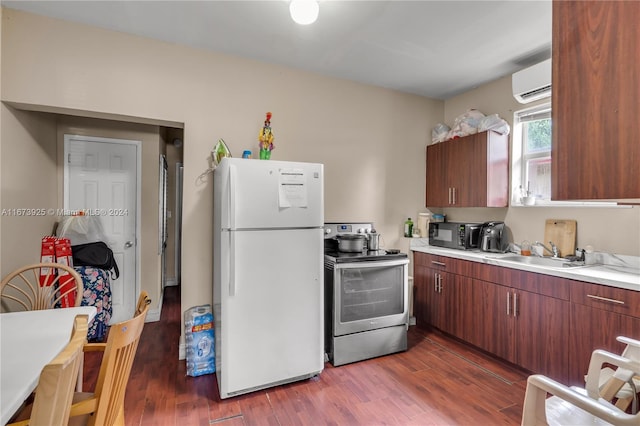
(178, 223)
(102, 176)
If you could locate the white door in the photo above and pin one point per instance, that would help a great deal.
(101, 176)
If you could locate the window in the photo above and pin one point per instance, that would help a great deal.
(532, 154)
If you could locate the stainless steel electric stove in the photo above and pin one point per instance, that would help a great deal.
(366, 298)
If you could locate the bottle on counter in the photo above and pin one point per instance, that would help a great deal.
(408, 228)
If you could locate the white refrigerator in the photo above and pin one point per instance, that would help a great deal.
(268, 273)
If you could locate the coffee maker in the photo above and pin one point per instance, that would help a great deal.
(493, 237)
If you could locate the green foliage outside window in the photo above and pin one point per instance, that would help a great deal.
(539, 135)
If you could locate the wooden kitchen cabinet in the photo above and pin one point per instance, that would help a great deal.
(438, 184)
(421, 287)
(540, 338)
(441, 301)
(522, 327)
(429, 305)
(437, 297)
(472, 171)
(516, 315)
(490, 328)
(598, 315)
(420, 294)
(595, 106)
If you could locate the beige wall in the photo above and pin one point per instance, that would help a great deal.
(28, 181)
(615, 230)
(371, 140)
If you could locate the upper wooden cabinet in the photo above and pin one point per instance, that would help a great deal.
(472, 171)
(595, 100)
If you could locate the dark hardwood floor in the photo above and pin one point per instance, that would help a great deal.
(437, 381)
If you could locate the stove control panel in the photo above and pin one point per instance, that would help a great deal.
(335, 228)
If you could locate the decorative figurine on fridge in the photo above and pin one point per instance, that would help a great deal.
(266, 139)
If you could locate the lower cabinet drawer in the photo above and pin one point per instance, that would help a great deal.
(611, 299)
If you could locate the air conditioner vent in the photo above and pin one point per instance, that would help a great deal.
(537, 93)
(532, 83)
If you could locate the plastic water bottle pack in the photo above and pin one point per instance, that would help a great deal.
(199, 336)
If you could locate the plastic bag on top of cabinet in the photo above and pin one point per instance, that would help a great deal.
(439, 133)
(495, 123)
(466, 124)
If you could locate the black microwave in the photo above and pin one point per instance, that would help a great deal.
(455, 235)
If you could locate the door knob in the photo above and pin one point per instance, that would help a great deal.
(128, 244)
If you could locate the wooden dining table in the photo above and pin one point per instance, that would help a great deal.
(28, 341)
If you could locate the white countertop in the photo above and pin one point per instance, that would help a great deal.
(610, 270)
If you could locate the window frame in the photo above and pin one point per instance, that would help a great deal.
(540, 112)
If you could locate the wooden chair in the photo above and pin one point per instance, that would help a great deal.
(105, 406)
(143, 302)
(54, 393)
(21, 289)
(573, 405)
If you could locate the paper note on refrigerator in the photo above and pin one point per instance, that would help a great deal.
(292, 191)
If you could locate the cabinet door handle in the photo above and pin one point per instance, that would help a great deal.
(605, 299)
(508, 303)
(515, 304)
(454, 195)
(437, 286)
(449, 195)
(439, 263)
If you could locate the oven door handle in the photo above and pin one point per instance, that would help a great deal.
(371, 264)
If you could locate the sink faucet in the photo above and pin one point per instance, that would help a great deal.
(553, 250)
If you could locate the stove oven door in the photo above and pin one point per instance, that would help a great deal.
(370, 295)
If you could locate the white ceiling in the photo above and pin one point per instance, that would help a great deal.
(436, 49)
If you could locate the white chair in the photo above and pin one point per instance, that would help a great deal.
(621, 384)
(573, 405)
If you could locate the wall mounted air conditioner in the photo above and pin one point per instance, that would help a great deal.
(532, 83)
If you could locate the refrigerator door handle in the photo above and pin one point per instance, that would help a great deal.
(232, 196)
(232, 264)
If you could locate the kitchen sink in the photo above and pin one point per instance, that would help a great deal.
(538, 261)
(620, 273)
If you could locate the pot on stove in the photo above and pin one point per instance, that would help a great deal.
(350, 243)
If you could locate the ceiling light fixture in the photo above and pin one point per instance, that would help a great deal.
(304, 12)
